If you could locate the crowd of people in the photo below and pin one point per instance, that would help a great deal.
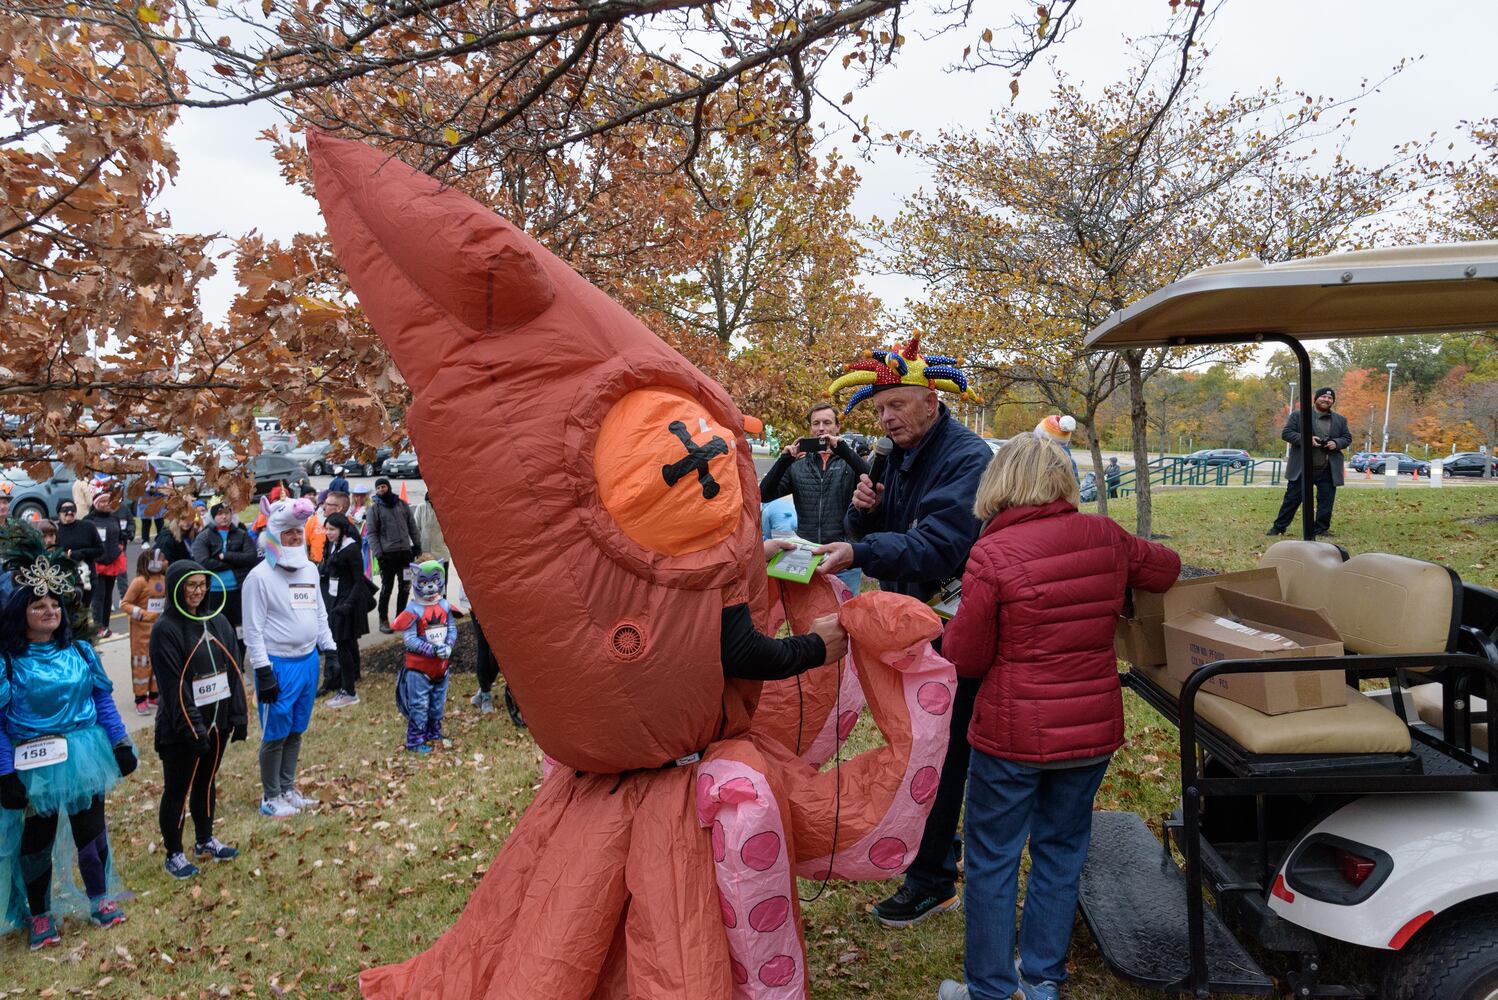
(217, 608)
(213, 610)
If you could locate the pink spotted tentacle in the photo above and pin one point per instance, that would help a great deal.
(755, 884)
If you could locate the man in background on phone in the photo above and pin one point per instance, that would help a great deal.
(820, 472)
(1329, 436)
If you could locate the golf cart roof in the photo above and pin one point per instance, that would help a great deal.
(1366, 293)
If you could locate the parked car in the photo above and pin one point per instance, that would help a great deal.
(32, 500)
(403, 467)
(315, 456)
(1359, 460)
(343, 458)
(148, 443)
(1468, 463)
(1407, 464)
(179, 473)
(1233, 458)
(994, 444)
(270, 470)
(861, 444)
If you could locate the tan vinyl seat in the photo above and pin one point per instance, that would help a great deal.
(1427, 699)
(1360, 726)
(1380, 603)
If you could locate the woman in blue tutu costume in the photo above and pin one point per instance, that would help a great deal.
(62, 747)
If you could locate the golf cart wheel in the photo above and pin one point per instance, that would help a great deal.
(1453, 959)
(29, 511)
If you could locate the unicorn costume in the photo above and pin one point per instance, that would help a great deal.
(285, 624)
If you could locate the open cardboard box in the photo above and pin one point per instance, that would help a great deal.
(1140, 636)
(1204, 624)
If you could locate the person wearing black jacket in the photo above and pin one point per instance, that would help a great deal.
(820, 483)
(105, 524)
(227, 550)
(203, 708)
(346, 594)
(80, 543)
(175, 540)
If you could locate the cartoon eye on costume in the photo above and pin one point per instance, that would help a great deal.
(667, 473)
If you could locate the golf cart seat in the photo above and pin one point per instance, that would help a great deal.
(1380, 603)
(1360, 726)
(1427, 699)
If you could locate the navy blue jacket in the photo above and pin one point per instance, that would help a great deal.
(919, 535)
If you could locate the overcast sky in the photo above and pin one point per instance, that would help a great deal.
(228, 181)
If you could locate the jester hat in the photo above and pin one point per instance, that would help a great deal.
(901, 366)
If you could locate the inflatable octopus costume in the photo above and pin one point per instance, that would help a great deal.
(599, 497)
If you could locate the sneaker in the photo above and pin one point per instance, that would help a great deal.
(908, 907)
(299, 801)
(1043, 990)
(385, 628)
(153, 701)
(104, 633)
(44, 931)
(107, 913)
(951, 989)
(142, 707)
(419, 748)
(177, 866)
(1274, 531)
(341, 700)
(277, 808)
(485, 701)
(215, 849)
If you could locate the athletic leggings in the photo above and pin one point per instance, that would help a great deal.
(92, 840)
(485, 665)
(348, 666)
(190, 783)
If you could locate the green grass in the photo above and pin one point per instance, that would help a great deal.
(391, 858)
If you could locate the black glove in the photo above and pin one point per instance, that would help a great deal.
(267, 688)
(124, 756)
(239, 733)
(12, 792)
(203, 745)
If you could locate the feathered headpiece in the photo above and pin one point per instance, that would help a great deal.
(29, 566)
(902, 366)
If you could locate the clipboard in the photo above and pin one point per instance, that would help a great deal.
(797, 565)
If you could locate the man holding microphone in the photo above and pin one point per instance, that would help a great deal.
(911, 523)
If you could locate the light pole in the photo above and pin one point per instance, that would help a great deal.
(1388, 396)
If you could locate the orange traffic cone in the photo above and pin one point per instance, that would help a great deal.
(404, 497)
(1367, 472)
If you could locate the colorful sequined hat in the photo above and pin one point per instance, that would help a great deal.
(902, 366)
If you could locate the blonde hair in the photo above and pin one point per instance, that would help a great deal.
(1026, 472)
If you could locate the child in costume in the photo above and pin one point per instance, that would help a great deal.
(144, 602)
(427, 627)
(1058, 428)
(62, 746)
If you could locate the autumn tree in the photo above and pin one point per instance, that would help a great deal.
(1040, 226)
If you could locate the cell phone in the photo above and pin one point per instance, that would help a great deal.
(811, 445)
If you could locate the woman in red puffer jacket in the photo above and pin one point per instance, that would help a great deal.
(1040, 598)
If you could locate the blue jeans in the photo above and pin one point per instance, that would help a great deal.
(1006, 803)
(424, 702)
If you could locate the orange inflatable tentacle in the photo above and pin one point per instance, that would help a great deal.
(811, 714)
(751, 853)
(673, 931)
(876, 804)
(541, 922)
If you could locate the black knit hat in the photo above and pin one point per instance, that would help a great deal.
(382, 481)
(1326, 390)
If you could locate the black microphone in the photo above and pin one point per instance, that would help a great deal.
(882, 448)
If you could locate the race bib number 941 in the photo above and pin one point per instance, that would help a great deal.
(44, 752)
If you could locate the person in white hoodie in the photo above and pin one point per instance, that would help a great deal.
(285, 624)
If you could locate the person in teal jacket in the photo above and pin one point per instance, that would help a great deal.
(63, 745)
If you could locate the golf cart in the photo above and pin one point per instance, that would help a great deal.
(1363, 836)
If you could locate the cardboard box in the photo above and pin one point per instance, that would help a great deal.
(1211, 623)
(1140, 636)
